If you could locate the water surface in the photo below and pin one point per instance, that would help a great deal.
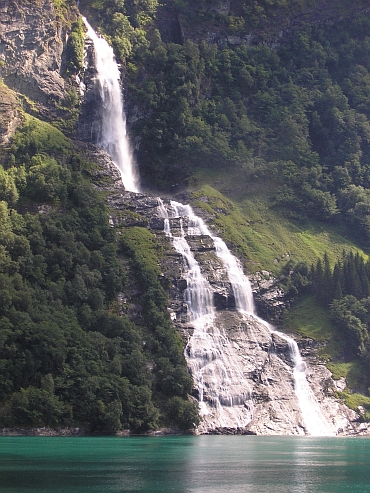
(203, 464)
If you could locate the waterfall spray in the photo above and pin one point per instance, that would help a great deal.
(208, 345)
(209, 354)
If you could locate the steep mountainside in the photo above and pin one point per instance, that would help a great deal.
(268, 102)
(70, 355)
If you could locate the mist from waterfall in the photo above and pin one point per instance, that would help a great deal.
(113, 138)
(209, 353)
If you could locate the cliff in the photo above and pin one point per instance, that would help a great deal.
(33, 40)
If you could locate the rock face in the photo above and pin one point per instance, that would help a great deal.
(267, 372)
(90, 119)
(10, 117)
(32, 41)
(269, 298)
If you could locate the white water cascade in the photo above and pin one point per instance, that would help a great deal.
(214, 362)
(113, 138)
(209, 350)
(210, 355)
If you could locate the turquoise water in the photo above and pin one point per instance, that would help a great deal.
(204, 464)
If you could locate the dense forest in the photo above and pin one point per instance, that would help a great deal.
(66, 356)
(279, 95)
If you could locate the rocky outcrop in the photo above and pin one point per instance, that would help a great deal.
(90, 114)
(267, 371)
(33, 36)
(42, 432)
(270, 299)
(10, 115)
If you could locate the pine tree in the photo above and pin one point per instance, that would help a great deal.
(327, 282)
(337, 281)
(337, 291)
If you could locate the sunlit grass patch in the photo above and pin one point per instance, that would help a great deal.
(264, 237)
(309, 319)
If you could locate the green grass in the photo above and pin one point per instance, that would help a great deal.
(354, 401)
(309, 319)
(263, 236)
(141, 245)
(42, 137)
(351, 371)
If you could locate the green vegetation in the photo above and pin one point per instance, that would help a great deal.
(342, 293)
(75, 47)
(295, 116)
(263, 236)
(283, 132)
(123, 22)
(310, 320)
(67, 356)
(357, 401)
(173, 383)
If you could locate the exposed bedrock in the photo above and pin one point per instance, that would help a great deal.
(33, 38)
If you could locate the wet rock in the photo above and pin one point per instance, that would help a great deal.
(10, 115)
(269, 298)
(200, 243)
(229, 431)
(43, 432)
(157, 223)
(181, 284)
(223, 299)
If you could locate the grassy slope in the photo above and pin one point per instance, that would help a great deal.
(260, 233)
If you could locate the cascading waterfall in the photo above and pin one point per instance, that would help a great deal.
(226, 396)
(209, 354)
(241, 286)
(314, 420)
(113, 138)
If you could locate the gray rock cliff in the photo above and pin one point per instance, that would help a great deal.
(33, 36)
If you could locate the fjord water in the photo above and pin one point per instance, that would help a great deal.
(187, 464)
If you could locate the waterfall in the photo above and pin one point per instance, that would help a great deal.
(209, 354)
(225, 396)
(240, 283)
(207, 344)
(113, 138)
(315, 421)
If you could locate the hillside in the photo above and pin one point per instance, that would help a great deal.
(256, 112)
